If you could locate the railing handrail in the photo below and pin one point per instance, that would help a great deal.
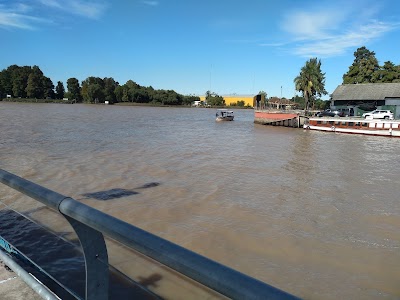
(216, 276)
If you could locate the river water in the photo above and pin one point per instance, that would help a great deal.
(315, 214)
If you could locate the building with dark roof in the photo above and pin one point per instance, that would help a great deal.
(368, 96)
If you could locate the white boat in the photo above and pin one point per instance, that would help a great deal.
(355, 125)
(224, 115)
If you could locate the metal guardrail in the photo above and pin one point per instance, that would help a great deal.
(90, 225)
(36, 285)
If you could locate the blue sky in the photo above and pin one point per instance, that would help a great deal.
(226, 46)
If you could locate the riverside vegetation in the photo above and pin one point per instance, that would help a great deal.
(29, 84)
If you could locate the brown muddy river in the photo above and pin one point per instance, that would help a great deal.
(315, 214)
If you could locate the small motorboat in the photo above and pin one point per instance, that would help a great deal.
(224, 115)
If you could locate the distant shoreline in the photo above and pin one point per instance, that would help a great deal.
(25, 100)
(58, 101)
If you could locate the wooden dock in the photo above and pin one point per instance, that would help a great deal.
(294, 119)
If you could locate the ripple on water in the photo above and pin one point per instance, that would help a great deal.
(276, 203)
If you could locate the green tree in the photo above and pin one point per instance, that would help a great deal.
(68, 95)
(95, 93)
(2, 87)
(173, 98)
(109, 89)
(364, 68)
(321, 104)
(214, 99)
(188, 100)
(48, 88)
(263, 93)
(119, 92)
(139, 95)
(34, 88)
(60, 91)
(74, 89)
(135, 93)
(150, 93)
(299, 100)
(6, 81)
(160, 96)
(19, 77)
(93, 90)
(310, 82)
(13, 80)
(389, 72)
(240, 103)
(23, 81)
(125, 94)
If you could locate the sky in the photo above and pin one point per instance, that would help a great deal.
(192, 46)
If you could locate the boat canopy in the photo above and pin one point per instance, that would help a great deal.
(224, 112)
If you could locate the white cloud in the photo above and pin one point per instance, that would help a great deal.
(309, 25)
(272, 44)
(11, 19)
(24, 16)
(332, 30)
(22, 8)
(337, 44)
(89, 9)
(13, 16)
(51, 3)
(151, 3)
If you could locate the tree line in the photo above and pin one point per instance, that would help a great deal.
(30, 82)
(26, 82)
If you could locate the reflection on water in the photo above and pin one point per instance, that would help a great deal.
(315, 214)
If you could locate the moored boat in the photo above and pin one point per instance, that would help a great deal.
(355, 125)
(224, 115)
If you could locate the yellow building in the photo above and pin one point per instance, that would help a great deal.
(233, 99)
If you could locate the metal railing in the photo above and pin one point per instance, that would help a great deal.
(41, 290)
(90, 225)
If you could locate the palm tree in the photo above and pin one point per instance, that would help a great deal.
(310, 81)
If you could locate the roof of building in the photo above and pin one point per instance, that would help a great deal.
(366, 91)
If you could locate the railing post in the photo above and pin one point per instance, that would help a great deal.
(92, 241)
(96, 260)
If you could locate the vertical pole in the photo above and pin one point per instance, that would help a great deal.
(96, 260)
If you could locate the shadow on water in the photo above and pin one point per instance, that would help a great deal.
(148, 185)
(58, 263)
(149, 281)
(110, 194)
(118, 193)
